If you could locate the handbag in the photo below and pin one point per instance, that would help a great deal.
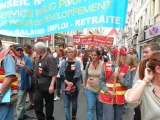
(71, 90)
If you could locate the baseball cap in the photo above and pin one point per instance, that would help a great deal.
(122, 50)
(18, 46)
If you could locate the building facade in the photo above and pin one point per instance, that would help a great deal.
(142, 23)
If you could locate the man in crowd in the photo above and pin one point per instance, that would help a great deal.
(32, 55)
(7, 79)
(133, 53)
(45, 75)
(148, 49)
(109, 53)
(25, 71)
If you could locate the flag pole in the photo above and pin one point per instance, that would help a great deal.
(117, 66)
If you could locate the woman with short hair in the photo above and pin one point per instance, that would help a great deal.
(70, 72)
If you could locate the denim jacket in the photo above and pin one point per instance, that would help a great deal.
(77, 70)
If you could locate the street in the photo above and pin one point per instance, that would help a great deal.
(82, 109)
(59, 109)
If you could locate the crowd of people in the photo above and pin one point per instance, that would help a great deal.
(111, 77)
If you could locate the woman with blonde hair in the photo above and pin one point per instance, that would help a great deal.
(146, 91)
(70, 72)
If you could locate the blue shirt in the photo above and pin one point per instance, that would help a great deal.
(9, 65)
(24, 76)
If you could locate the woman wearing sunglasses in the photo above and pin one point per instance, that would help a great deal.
(146, 91)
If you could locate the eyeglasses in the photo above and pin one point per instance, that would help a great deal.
(21, 50)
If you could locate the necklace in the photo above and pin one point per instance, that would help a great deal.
(95, 65)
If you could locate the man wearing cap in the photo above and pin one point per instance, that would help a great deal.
(25, 71)
(114, 83)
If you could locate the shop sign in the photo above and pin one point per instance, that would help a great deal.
(153, 31)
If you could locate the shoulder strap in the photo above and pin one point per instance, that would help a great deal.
(86, 70)
(109, 78)
(88, 65)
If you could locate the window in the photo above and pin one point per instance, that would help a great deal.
(146, 17)
(153, 7)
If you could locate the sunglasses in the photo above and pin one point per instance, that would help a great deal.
(21, 50)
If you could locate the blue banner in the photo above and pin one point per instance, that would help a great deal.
(34, 18)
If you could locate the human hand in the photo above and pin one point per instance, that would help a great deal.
(70, 84)
(115, 75)
(22, 63)
(111, 93)
(148, 76)
(51, 89)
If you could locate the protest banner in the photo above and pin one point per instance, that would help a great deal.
(77, 39)
(35, 18)
(46, 38)
(92, 39)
